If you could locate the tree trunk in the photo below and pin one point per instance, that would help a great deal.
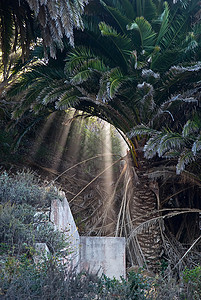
(143, 228)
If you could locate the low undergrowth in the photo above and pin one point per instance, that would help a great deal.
(24, 221)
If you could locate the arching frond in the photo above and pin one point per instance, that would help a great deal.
(169, 141)
(191, 127)
(77, 57)
(185, 158)
(121, 19)
(110, 83)
(116, 78)
(147, 34)
(151, 147)
(146, 103)
(122, 43)
(142, 130)
(67, 100)
(197, 145)
(52, 93)
(163, 20)
(82, 75)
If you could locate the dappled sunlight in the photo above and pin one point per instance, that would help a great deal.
(61, 140)
(43, 133)
(72, 149)
(90, 160)
(107, 151)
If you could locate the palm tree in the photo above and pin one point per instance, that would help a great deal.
(115, 72)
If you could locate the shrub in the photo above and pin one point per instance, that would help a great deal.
(51, 280)
(25, 187)
(192, 281)
(21, 227)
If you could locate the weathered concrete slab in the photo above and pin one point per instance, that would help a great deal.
(103, 255)
(96, 254)
(63, 219)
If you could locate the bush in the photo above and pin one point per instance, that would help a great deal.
(21, 227)
(23, 220)
(51, 280)
(192, 281)
(25, 187)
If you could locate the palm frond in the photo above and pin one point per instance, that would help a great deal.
(151, 147)
(52, 92)
(82, 75)
(122, 43)
(38, 72)
(66, 101)
(142, 130)
(147, 103)
(191, 127)
(149, 10)
(169, 141)
(76, 58)
(116, 79)
(147, 34)
(163, 20)
(185, 158)
(171, 154)
(196, 145)
(121, 19)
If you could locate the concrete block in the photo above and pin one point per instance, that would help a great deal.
(103, 255)
(63, 220)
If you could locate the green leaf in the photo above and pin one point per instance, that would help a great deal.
(164, 20)
(147, 34)
(185, 158)
(151, 148)
(170, 141)
(191, 127)
(196, 146)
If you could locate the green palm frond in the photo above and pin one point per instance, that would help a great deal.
(121, 19)
(77, 57)
(163, 20)
(126, 7)
(190, 128)
(174, 35)
(66, 101)
(85, 71)
(196, 145)
(149, 10)
(170, 38)
(147, 34)
(151, 147)
(122, 43)
(139, 130)
(109, 84)
(172, 154)
(185, 158)
(116, 79)
(169, 141)
(26, 101)
(37, 73)
(146, 103)
(107, 30)
(82, 75)
(52, 92)
(182, 75)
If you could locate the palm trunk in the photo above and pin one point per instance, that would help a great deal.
(144, 236)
